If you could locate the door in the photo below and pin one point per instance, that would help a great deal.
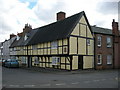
(80, 62)
(29, 61)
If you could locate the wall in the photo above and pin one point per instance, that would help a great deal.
(78, 45)
(104, 51)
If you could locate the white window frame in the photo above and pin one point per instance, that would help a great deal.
(54, 45)
(99, 58)
(25, 37)
(109, 59)
(34, 47)
(55, 60)
(99, 41)
(109, 42)
(88, 42)
(18, 37)
(36, 60)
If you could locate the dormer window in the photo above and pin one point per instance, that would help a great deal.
(26, 37)
(18, 37)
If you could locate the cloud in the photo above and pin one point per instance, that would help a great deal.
(47, 11)
(16, 13)
(108, 7)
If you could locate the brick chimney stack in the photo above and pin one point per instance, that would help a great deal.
(12, 35)
(115, 28)
(61, 15)
(116, 43)
(27, 28)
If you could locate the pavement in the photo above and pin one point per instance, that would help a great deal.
(55, 78)
(61, 71)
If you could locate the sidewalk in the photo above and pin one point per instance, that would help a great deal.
(59, 71)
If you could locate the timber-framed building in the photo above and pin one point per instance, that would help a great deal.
(66, 44)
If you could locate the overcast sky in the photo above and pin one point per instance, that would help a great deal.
(14, 14)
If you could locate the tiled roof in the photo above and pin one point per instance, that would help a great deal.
(101, 30)
(54, 31)
(58, 30)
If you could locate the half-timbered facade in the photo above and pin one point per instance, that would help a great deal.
(66, 44)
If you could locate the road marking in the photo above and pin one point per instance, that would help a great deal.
(29, 85)
(14, 85)
(96, 80)
(116, 78)
(75, 83)
(86, 81)
(45, 85)
(60, 84)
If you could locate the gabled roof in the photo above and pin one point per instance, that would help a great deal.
(57, 30)
(21, 41)
(100, 30)
(54, 31)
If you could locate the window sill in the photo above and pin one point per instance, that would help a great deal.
(99, 64)
(109, 64)
(98, 46)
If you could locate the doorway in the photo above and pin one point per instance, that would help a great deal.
(80, 62)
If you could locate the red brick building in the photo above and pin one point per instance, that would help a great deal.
(103, 48)
(107, 47)
(116, 39)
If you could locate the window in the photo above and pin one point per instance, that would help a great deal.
(54, 45)
(109, 43)
(36, 60)
(109, 59)
(55, 60)
(99, 58)
(34, 47)
(88, 42)
(99, 39)
(26, 37)
(18, 37)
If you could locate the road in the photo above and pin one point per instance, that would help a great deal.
(22, 78)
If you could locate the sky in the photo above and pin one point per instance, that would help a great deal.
(14, 14)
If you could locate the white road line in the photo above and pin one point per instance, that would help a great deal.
(75, 83)
(45, 85)
(14, 85)
(60, 84)
(29, 85)
(116, 78)
(96, 80)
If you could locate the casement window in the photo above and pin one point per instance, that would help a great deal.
(88, 42)
(36, 60)
(99, 41)
(109, 42)
(99, 59)
(18, 37)
(25, 37)
(109, 59)
(54, 45)
(34, 47)
(55, 60)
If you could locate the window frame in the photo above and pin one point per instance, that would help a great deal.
(88, 42)
(109, 59)
(99, 41)
(109, 42)
(99, 59)
(55, 61)
(54, 45)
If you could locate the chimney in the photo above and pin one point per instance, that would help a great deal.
(115, 30)
(27, 28)
(12, 35)
(61, 15)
